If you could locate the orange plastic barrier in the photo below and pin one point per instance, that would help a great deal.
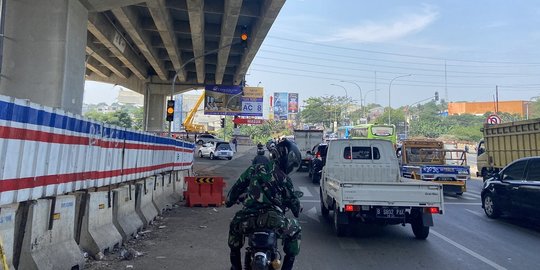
(204, 191)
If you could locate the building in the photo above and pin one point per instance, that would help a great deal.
(128, 97)
(480, 108)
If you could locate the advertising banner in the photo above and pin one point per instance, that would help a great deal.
(223, 100)
(252, 101)
(281, 101)
(293, 102)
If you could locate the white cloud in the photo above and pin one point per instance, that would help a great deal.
(386, 31)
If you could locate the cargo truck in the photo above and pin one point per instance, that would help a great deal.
(306, 139)
(428, 160)
(506, 142)
(361, 184)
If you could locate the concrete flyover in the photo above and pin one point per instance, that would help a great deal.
(49, 47)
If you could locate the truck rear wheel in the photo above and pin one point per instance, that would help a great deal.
(420, 231)
(325, 212)
(340, 229)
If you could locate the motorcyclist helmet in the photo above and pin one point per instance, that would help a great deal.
(286, 155)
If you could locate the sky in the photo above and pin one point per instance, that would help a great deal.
(461, 49)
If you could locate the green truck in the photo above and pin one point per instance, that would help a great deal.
(506, 142)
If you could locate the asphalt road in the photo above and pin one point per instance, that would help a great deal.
(462, 238)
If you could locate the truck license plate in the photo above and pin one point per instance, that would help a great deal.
(389, 212)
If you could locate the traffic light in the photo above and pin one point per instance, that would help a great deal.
(223, 122)
(170, 110)
(244, 37)
(436, 96)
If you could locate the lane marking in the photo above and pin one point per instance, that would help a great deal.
(476, 213)
(312, 213)
(468, 251)
(463, 203)
(449, 197)
(306, 192)
(472, 195)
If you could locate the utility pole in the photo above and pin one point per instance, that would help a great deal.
(496, 99)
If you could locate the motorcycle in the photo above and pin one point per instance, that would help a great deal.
(262, 252)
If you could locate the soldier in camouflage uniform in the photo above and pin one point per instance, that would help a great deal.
(268, 191)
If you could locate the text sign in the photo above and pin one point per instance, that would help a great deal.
(248, 121)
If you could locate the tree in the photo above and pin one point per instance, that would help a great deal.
(326, 110)
(118, 118)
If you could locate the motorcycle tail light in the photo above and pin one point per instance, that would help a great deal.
(318, 155)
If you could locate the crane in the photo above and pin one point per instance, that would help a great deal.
(188, 122)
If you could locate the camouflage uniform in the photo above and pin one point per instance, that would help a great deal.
(269, 191)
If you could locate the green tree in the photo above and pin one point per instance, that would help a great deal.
(119, 118)
(326, 110)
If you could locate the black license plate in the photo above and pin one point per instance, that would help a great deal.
(389, 212)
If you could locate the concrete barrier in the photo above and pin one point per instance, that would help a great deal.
(179, 184)
(143, 201)
(158, 194)
(8, 223)
(125, 219)
(168, 190)
(49, 241)
(97, 234)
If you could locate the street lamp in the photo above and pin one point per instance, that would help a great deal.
(365, 97)
(389, 93)
(346, 95)
(528, 103)
(360, 89)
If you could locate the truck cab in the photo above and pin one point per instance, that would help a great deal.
(428, 160)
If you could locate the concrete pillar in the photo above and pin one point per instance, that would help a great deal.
(44, 52)
(155, 110)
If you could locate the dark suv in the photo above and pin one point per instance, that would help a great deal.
(317, 162)
(515, 190)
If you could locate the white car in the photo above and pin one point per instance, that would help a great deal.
(206, 138)
(215, 150)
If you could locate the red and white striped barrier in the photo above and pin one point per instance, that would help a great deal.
(48, 152)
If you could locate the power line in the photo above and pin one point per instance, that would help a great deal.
(402, 55)
(492, 74)
(378, 59)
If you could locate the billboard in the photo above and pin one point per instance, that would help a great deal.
(281, 101)
(233, 100)
(293, 103)
(222, 100)
(252, 101)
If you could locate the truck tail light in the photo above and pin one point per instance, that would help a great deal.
(352, 208)
(432, 210)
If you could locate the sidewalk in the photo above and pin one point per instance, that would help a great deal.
(186, 238)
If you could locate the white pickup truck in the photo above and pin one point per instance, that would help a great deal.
(361, 183)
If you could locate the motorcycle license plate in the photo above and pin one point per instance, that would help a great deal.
(389, 212)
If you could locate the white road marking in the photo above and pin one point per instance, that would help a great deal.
(474, 213)
(472, 195)
(312, 213)
(463, 203)
(450, 197)
(306, 191)
(468, 251)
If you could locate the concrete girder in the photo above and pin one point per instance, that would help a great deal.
(100, 53)
(164, 25)
(196, 22)
(228, 27)
(105, 32)
(129, 20)
(103, 5)
(270, 9)
(94, 65)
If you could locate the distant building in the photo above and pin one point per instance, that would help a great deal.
(188, 102)
(480, 108)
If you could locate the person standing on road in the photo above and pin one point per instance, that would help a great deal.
(235, 142)
(268, 192)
